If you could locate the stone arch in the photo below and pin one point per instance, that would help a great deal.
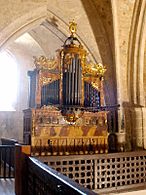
(22, 25)
(136, 54)
(105, 42)
(35, 18)
(145, 73)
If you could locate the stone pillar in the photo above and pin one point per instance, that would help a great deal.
(144, 128)
(124, 134)
(137, 128)
(121, 131)
(121, 141)
(131, 133)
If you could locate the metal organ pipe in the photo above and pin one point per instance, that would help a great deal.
(76, 83)
(66, 86)
(73, 64)
(72, 81)
(69, 83)
(79, 81)
(55, 94)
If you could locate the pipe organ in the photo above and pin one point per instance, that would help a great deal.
(50, 93)
(66, 94)
(72, 79)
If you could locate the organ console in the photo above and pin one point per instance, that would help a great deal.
(66, 94)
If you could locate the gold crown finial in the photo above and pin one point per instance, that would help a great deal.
(72, 27)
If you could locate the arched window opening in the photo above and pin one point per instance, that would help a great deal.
(8, 82)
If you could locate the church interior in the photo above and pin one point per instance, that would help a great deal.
(73, 87)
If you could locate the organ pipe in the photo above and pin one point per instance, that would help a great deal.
(76, 94)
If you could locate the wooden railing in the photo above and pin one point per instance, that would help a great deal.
(103, 172)
(44, 180)
(7, 158)
(7, 161)
(6, 141)
(34, 177)
(8, 155)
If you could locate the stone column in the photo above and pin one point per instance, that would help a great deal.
(121, 131)
(144, 128)
(121, 141)
(128, 128)
(137, 128)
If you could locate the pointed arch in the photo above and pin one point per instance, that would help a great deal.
(136, 54)
(22, 25)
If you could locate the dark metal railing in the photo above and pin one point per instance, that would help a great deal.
(7, 161)
(46, 181)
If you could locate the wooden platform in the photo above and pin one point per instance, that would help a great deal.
(7, 187)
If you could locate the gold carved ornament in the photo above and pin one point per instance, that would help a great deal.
(45, 80)
(44, 63)
(96, 72)
(72, 27)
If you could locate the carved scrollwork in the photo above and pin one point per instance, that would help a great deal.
(44, 63)
(95, 70)
(45, 80)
